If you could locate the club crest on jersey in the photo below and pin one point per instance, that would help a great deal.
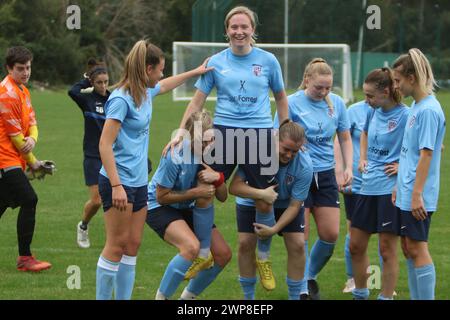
(391, 125)
(289, 179)
(412, 121)
(330, 112)
(257, 69)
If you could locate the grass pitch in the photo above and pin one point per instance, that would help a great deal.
(62, 196)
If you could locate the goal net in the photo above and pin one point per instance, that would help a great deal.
(292, 57)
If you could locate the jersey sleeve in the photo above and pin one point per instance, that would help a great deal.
(206, 81)
(428, 126)
(302, 183)
(343, 122)
(153, 92)
(369, 116)
(76, 95)
(116, 109)
(276, 76)
(10, 114)
(169, 172)
(241, 174)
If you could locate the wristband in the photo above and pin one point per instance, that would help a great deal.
(219, 181)
(117, 185)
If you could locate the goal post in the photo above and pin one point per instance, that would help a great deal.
(292, 58)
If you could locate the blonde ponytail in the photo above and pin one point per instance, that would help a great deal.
(416, 63)
(135, 79)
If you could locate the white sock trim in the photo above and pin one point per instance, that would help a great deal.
(204, 253)
(186, 295)
(160, 296)
(108, 265)
(129, 260)
(263, 255)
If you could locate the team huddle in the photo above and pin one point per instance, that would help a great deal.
(383, 156)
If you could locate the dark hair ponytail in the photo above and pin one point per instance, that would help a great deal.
(95, 68)
(383, 78)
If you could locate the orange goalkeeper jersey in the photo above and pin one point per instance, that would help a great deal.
(16, 116)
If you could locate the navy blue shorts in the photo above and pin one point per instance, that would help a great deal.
(251, 161)
(160, 218)
(136, 195)
(413, 228)
(246, 215)
(376, 214)
(91, 167)
(323, 191)
(350, 204)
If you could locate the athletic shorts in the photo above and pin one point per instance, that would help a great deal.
(246, 216)
(413, 228)
(376, 214)
(91, 168)
(350, 203)
(323, 191)
(251, 163)
(136, 195)
(160, 218)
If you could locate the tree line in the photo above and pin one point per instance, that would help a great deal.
(110, 27)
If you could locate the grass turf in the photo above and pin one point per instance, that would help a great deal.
(62, 196)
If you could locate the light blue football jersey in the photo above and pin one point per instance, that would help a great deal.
(357, 116)
(294, 180)
(131, 146)
(242, 84)
(174, 173)
(385, 134)
(425, 129)
(320, 125)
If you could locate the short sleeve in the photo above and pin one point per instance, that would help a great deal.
(169, 170)
(241, 174)
(10, 113)
(368, 118)
(153, 92)
(428, 126)
(206, 81)
(343, 122)
(301, 186)
(116, 109)
(276, 76)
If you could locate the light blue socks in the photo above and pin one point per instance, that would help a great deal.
(320, 254)
(294, 288)
(203, 279)
(412, 280)
(304, 287)
(125, 278)
(426, 282)
(248, 287)
(264, 245)
(348, 257)
(174, 275)
(361, 294)
(203, 220)
(106, 278)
